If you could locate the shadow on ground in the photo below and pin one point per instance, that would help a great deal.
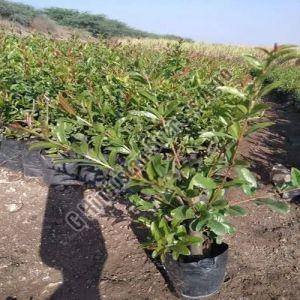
(279, 143)
(72, 243)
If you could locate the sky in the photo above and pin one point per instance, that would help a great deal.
(243, 22)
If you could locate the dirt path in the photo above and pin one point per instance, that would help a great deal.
(42, 257)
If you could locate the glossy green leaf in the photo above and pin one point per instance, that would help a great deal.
(236, 211)
(42, 145)
(248, 177)
(181, 214)
(254, 62)
(258, 126)
(295, 177)
(203, 182)
(277, 206)
(217, 227)
(155, 231)
(140, 203)
(235, 130)
(232, 91)
(145, 114)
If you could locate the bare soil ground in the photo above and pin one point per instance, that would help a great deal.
(42, 257)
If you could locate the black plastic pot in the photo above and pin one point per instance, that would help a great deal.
(11, 151)
(59, 173)
(32, 163)
(194, 277)
(93, 177)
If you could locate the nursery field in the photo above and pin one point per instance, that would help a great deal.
(263, 262)
(146, 142)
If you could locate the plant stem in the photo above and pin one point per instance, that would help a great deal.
(232, 160)
(262, 197)
(175, 155)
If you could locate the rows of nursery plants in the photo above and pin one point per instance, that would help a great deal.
(171, 120)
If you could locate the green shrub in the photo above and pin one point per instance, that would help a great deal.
(173, 124)
(289, 77)
(17, 12)
(177, 139)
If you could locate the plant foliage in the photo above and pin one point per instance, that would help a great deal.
(157, 116)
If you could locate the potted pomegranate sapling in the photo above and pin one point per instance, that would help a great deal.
(185, 199)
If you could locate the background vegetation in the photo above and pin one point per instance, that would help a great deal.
(170, 118)
(94, 24)
(17, 12)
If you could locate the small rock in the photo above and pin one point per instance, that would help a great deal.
(14, 207)
(291, 194)
(280, 174)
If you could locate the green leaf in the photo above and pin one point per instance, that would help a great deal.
(236, 211)
(149, 192)
(171, 108)
(148, 96)
(248, 177)
(138, 77)
(150, 171)
(230, 229)
(235, 130)
(258, 107)
(269, 88)
(222, 119)
(181, 230)
(140, 203)
(217, 227)
(219, 204)
(211, 134)
(145, 114)
(160, 168)
(180, 214)
(42, 145)
(60, 132)
(180, 249)
(232, 91)
(155, 231)
(295, 177)
(191, 240)
(145, 221)
(198, 224)
(248, 190)
(254, 62)
(185, 172)
(163, 224)
(277, 206)
(202, 182)
(170, 238)
(242, 108)
(234, 182)
(258, 126)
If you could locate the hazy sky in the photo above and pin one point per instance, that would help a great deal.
(254, 22)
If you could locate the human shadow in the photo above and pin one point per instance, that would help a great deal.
(72, 242)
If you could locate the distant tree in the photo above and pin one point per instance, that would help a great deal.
(96, 24)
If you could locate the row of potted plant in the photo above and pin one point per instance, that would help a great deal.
(177, 139)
